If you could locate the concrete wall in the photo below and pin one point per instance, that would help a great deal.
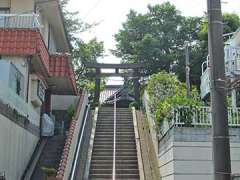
(22, 66)
(74, 141)
(186, 154)
(5, 3)
(22, 6)
(17, 146)
(10, 97)
(151, 122)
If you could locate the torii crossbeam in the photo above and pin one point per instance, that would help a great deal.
(134, 72)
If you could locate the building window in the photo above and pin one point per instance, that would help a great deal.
(41, 91)
(16, 81)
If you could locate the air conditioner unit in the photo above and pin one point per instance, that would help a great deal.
(47, 126)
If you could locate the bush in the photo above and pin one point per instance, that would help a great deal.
(71, 111)
(167, 92)
(133, 104)
(49, 171)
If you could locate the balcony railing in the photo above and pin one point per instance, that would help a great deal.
(232, 61)
(19, 21)
(201, 116)
(205, 83)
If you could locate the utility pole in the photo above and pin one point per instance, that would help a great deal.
(187, 64)
(221, 147)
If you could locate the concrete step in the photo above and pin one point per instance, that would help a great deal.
(101, 171)
(100, 176)
(102, 154)
(127, 176)
(126, 171)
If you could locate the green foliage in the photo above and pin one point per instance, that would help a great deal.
(73, 24)
(157, 38)
(231, 24)
(166, 92)
(49, 171)
(133, 104)
(86, 52)
(71, 111)
(81, 51)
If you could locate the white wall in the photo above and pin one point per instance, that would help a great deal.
(62, 102)
(186, 154)
(22, 65)
(4, 3)
(52, 43)
(17, 146)
(22, 6)
(166, 158)
(10, 97)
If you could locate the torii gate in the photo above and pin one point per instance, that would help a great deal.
(135, 73)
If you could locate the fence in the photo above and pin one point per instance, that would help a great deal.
(201, 116)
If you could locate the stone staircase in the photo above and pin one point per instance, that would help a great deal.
(50, 156)
(126, 154)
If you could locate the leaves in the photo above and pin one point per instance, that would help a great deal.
(86, 51)
(81, 51)
(165, 92)
(156, 38)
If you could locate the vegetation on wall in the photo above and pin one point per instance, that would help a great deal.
(167, 92)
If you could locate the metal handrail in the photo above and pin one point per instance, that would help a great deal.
(79, 143)
(114, 137)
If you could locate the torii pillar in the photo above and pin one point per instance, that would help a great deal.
(136, 86)
(97, 86)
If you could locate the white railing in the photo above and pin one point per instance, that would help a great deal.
(201, 116)
(19, 21)
(7, 96)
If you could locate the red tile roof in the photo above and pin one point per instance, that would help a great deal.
(60, 66)
(27, 42)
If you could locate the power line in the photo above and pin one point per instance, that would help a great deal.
(91, 9)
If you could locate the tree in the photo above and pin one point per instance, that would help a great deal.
(155, 38)
(73, 24)
(81, 51)
(231, 24)
(86, 51)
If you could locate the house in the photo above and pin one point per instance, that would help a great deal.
(35, 67)
(232, 68)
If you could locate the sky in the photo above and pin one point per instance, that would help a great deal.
(112, 13)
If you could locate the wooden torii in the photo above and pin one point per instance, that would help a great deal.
(130, 70)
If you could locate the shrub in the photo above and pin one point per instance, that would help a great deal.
(167, 92)
(49, 171)
(71, 111)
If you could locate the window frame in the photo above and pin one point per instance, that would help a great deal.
(16, 73)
